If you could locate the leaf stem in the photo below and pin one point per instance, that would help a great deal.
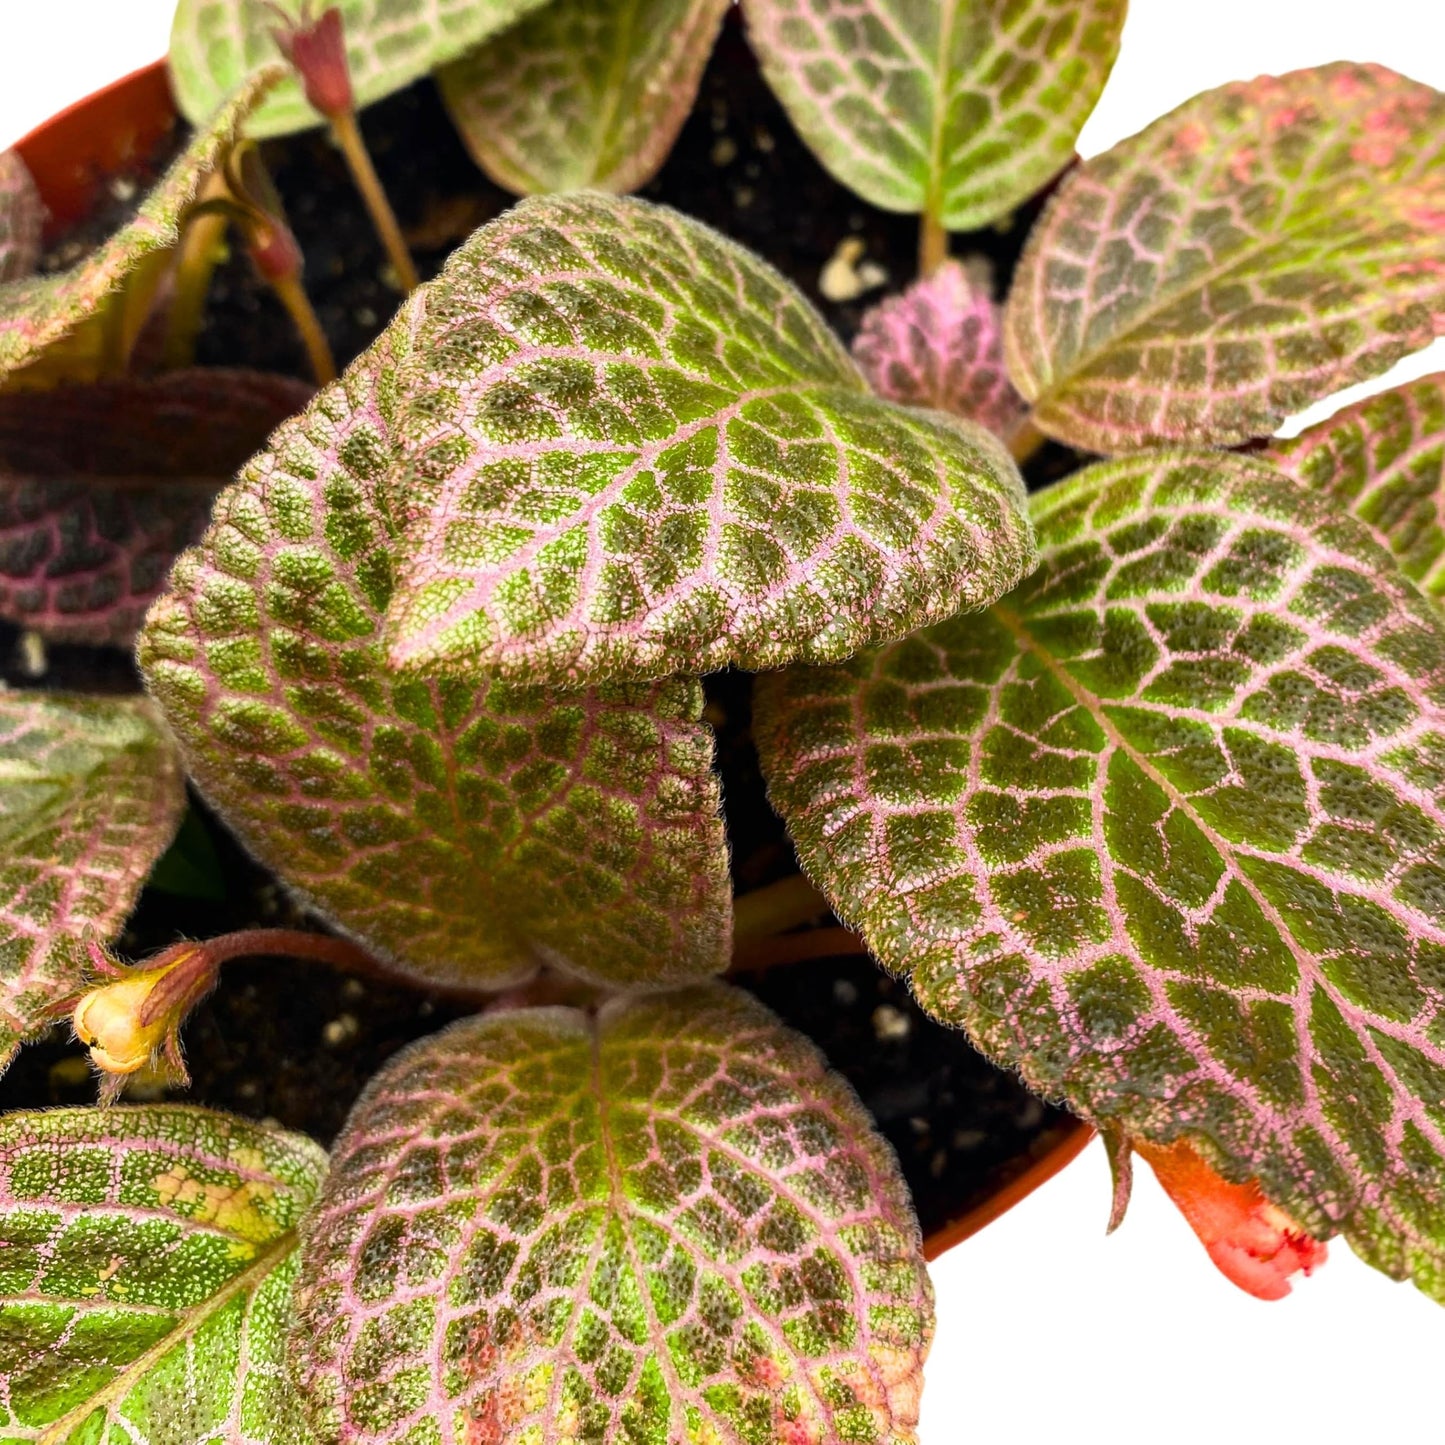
(760, 955)
(293, 297)
(358, 159)
(932, 243)
(202, 249)
(773, 909)
(1026, 440)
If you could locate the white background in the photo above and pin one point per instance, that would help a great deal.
(1046, 1329)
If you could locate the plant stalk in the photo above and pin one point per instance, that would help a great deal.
(202, 249)
(358, 159)
(1025, 442)
(779, 906)
(932, 243)
(293, 297)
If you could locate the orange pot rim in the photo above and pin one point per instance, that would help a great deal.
(73, 154)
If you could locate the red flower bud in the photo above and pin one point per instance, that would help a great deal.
(1254, 1243)
(317, 51)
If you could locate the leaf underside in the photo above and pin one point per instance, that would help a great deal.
(216, 44)
(582, 94)
(1384, 460)
(940, 344)
(21, 216)
(67, 313)
(962, 108)
(146, 1265)
(91, 793)
(1260, 247)
(101, 486)
(1166, 830)
(668, 1222)
(467, 831)
(630, 448)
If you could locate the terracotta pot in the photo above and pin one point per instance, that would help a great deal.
(72, 156)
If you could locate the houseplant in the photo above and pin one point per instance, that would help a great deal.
(1263, 485)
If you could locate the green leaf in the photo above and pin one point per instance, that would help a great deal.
(630, 448)
(1384, 460)
(190, 867)
(958, 108)
(664, 1221)
(1164, 831)
(216, 44)
(146, 1265)
(582, 94)
(69, 324)
(101, 486)
(467, 831)
(21, 216)
(940, 345)
(1260, 247)
(91, 792)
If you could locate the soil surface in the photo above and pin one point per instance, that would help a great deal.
(294, 1042)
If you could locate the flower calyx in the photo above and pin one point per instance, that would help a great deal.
(315, 47)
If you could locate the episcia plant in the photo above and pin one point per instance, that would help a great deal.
(1138, 779)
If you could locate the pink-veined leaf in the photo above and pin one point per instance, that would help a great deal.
(1260, 247)
(665, 1220)
(91, 793)
(960, 108)
(62, 327)
(146, 1264)
(102, 485)
(1164, 830)
(940, 345)
(629, 448)
(22, 214)
(582, 94)
(1384, 459)
(466, 830)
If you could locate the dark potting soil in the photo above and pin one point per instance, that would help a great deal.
(296, 1043)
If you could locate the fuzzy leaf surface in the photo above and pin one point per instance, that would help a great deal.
(216, 44)
(1384, 459)
(92, 795)
(465, 830)
(146, 1265)
(21, 216)
(102, 485)
(961, 108)
(631, 448)
(1166, 831)
(666, 1222)
(940, 345)
(582, 94)
(40, 313)
(1260, 247)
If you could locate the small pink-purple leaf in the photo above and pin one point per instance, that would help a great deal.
(468, 831)
(663, 1221)
(148, 1257)
(59, 327)
(582, 94)
(1260, 247)
(102, 485)
(22, 214)
(630, 448)
(961, 108)
(1384, 459)
(940, 345)
(1163, 829)
(91, 794)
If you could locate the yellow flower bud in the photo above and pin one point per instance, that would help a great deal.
(107, 1022)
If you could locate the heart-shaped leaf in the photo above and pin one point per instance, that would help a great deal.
(1260, 247)
(582, 94)
(146, 1264)
(664, 1221)
(21, 216)
(40, 313)
(940, 345)
(1164, 831)
(465, 830)
(91, 793)
(101, 486)
(957, 108)
(216, 44)
(1384, 459)
(631, 448)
